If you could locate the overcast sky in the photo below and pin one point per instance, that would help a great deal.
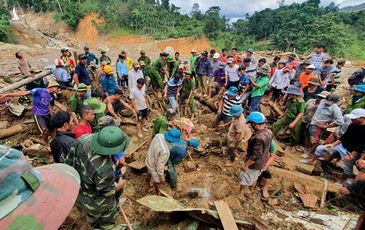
(238, 8)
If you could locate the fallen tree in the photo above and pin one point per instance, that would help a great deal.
(28, 80)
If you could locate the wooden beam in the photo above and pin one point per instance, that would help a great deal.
(225, 215)
(28, 80)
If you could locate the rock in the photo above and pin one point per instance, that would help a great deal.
(190, 166)
(3, 124)
(220, 190)
(273, 201)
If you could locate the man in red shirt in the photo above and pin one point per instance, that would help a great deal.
(84, 126)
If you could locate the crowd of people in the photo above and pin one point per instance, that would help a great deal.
(86, 134)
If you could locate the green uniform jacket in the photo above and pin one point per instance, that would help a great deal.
(359, 104)
(97, 178)
(146, 60)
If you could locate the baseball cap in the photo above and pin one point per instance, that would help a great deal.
(216, 55)
(53, 84)
(356, 113)
(230, 60)
(311, 67)
(38, 197)
(193, 51)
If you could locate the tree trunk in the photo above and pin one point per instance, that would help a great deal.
(28, 80)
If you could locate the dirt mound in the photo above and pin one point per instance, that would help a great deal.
(185, 45)
(86, 31)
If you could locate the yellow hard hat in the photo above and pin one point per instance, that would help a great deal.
(108, 69)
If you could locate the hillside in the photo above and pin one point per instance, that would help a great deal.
(353, 8)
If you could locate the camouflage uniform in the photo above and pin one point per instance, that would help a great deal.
(97, 191)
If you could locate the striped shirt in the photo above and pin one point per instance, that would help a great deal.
(229, 102)
(317, 59)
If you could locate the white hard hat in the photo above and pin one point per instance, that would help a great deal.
(59, 62)
(216, 55)
(311, 67)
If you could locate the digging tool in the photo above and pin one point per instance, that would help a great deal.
(125, 218)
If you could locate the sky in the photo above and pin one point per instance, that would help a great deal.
(235, 9)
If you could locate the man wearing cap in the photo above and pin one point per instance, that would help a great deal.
(291, 57)
(293, 114)
(77, 101)
(90, 156)
(219, 80)
(236, 131)
(357, 100)
(67, 60)
(301, 68)
(157, 73)
(104, 57)
(306, 76)
(158, 155)
(259, 87)
(81, 74)
(193, 58)
(231, 74)
(61, 75)
(178, 151)
(108, 83)
(312, 89)
(310, 108)
(90, 56)
(257, 150)
(230, 98)
(203, 70)
(145, 59)
(134, 75)
(249, 54)
(327, 115)
(173, 87)
(188, 92)
(350, 146)
(318, 57)
(34, 198)
(43, 100)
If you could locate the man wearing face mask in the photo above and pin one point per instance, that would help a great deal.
(257, 150)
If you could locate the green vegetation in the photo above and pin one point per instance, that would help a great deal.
(5, 35)
(295, 26)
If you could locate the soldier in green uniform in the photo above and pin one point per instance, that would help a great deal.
(145, 59)
(104, 57)
(91, 157)
(188, 92)
(157, 72)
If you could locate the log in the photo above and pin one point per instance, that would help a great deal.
(225, 215)
(324, 193)
(211, 103)
(28, 80)
(11, 131)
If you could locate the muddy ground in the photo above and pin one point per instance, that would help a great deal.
(213, 173)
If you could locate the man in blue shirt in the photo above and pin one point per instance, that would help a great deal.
(108, 82)
(203, 69)
(81, 74)
(90, 56)
(122, 71)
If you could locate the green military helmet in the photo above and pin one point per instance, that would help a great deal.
(81, 87)
(34, 198)
(98, 106)
(110, 140)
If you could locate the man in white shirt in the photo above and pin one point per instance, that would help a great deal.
(139, 102)
(134, 75)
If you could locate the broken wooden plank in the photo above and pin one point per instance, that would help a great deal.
(276, 108)
(324, 193)
(225, 215)
(309, 200)
(129, 151)
(137, 165)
